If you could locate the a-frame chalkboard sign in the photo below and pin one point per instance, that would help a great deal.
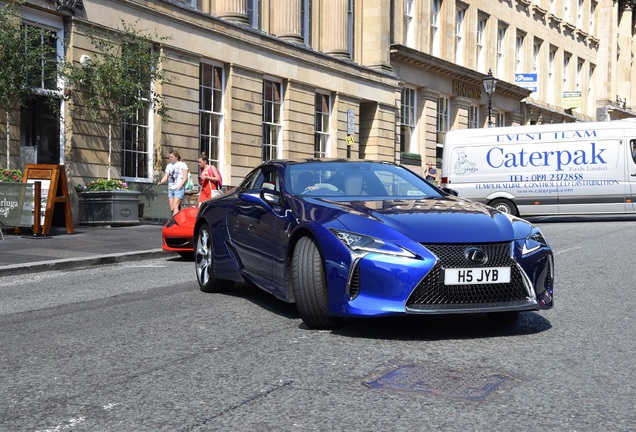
(55, 199)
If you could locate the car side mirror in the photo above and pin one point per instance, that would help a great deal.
(270, 196)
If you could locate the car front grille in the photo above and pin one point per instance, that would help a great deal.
(432, 294)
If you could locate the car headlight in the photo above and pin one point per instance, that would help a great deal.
(534, 241)
(359, 243)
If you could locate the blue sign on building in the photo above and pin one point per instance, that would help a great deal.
(527, 81)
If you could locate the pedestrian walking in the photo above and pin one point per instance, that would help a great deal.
(176, 174)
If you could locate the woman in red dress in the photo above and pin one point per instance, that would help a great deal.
(208, 179)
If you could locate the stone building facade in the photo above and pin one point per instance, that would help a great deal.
(260, 79)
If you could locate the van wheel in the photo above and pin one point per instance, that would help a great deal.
(504, 206)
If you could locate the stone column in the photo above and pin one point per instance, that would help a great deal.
(376, 20)
(286, 20)
(624, 63)
(427, 123)
(232, 10)
(333, 31)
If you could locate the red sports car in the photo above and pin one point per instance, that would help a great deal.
(178, 233)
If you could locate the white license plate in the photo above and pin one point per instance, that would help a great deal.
(473, 276)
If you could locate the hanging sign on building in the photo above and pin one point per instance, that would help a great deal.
(351, 121)
(571, 99)
(527, 81)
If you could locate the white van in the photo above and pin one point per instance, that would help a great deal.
(549, 169)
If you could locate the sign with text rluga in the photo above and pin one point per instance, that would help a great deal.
(16, 204)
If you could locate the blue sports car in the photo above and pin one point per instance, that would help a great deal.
(349, 238)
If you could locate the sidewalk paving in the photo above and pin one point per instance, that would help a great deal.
(87, 245)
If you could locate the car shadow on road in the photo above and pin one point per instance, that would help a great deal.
(412, 327)
(441, 327)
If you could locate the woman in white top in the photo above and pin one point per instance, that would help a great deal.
(176, 175)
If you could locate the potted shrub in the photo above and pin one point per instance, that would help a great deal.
(107, 202)
(410, 159)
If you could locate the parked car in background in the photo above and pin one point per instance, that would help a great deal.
(344, 239)
(177, 234)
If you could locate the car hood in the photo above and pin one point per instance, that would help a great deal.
(429, 220)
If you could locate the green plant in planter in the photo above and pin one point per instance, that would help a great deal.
(411, 158)
(406, 155)
(10, 176)
(102, 185)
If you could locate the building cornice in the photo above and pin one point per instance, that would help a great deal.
(400, 53)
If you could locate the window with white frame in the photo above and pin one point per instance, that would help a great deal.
(500, 119)
(408, 36)
(197, 4)
(40, 124)
(136, 136)
(210, 111)
(408, 119)
(443, 109)
(460, 14)
(579, 16)
(566, 71)
(436, 6)
(579, 72)
(501, 48)
(306, 21)
(519, 66)
(591, 98)
(473, 117)
(322, 115)
(136, 146)
(253, 15)
(272, 119)
(566, 10)
(536, 53)
(551, 76)
(481, 57)
(553, 7)
(593, 18)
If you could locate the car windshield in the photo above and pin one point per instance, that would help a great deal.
(356, 179)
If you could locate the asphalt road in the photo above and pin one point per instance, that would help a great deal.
(137, 347)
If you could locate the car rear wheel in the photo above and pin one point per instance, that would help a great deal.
(204, 264)
(309, 286)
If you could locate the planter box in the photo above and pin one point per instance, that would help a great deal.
(411, 161)
(109, 207)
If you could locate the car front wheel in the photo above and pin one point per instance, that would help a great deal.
(204, 264)
(309, 285)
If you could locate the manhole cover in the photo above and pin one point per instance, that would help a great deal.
(438, 381)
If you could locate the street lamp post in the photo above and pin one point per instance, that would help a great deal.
(490, 84)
